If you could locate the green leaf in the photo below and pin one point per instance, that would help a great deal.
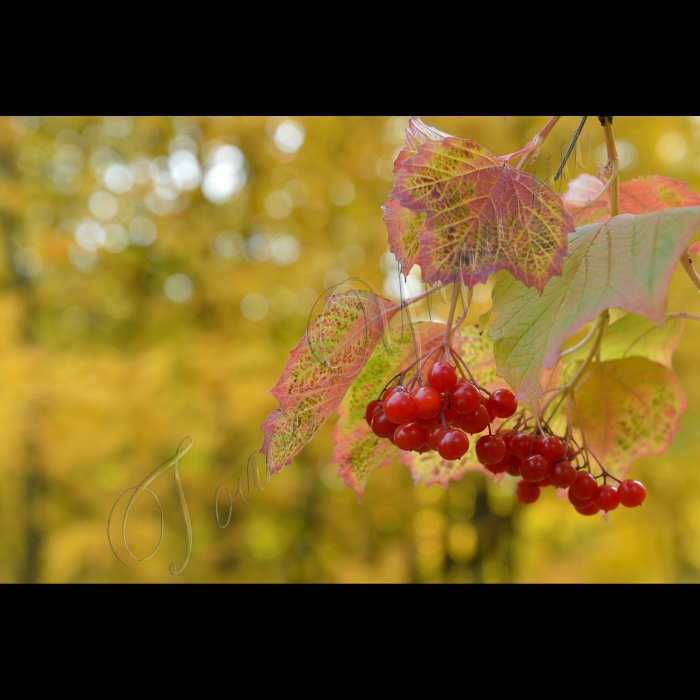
(636, 336)
(625, 262)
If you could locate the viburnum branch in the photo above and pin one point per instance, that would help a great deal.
(451, 313)
(534, 145)
(465, 311)
(687, 264)
(614, 161)
(600, 325)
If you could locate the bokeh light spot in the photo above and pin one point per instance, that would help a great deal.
(254, 306)
(27, 262)
(289, 136)
(341, 192)
(103, 205)
(178, 287)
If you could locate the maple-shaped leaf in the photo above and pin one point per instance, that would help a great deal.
(641, 195)
(481, 215)
(629, 408)
(624, 263)
(402, 223)
(321, 368)
(357, 450)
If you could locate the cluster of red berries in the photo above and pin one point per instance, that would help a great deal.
(540, 461)
(439, 415)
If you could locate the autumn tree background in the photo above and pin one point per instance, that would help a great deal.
(155, 274)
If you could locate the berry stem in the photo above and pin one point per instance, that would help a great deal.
(614, 161)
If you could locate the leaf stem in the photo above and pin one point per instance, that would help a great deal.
(683, 314)
(687, 263)
(534, 145)
(580, 344)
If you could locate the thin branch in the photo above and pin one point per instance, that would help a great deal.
(683, 314)
(687, 263)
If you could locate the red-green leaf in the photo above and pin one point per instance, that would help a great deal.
(403, 224)
(624, 263)
(629, 408)
(641, 195)
(482, 215)
(321, 368)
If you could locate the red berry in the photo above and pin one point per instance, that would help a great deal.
(466, 398)
(521, 445)
(423, 448)
(392, 390)
(513, 467)
(570, 451)
(550, 447)
(590, 509)
(442, 376)
(451, 415)
(502, 403)
(428, 401)
(409, 436)
(606, 497)
(500, 467)
(631, 493)
(400, 407)
(453, 444)
(490, 449)
(547, 481)
(534, 468)
(372, 408)
(474, 422)
(527, 492)
(434, 432)
(578, 502)
(585, 485)
(381, 426)
(562, 474)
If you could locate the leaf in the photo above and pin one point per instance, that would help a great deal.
(358, 451)
(629, 408)
(321, 368)
(403, 224)
(641, 195)
(624, 263)
(482, 215)
(637, 336)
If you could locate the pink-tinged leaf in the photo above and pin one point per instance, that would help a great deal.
(358, 451)
(629, 408)
(624, 263)
(641, 195)
(403, 224)
(320, 369)
(482, 215)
